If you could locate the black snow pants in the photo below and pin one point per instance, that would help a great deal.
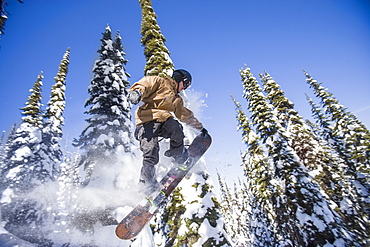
(148, 134)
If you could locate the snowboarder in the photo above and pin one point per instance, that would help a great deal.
(160, 97)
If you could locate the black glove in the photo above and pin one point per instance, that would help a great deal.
(204, 132)
(134, 97)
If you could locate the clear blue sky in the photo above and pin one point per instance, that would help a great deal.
(213, 39)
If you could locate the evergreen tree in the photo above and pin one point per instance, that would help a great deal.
(50, 149)
(158, 61)
(2, 142)
(235, 212)
(25, 216)
(301, 139)
(5, 150)
(303, 216)
(120, 63)
(324, 165)
(2, 156)
(192, 213)
(21, 155)
(32, 112)
(350, 139)
(33, 160)
(258, 188)
(2, 151)
(107, 143)
(322, 125)
(349, 135)
(110, 130)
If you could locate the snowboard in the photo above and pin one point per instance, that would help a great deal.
(135, 221)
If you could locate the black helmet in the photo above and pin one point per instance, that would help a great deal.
(182, 75)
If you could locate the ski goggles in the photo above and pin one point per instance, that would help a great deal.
(186, 83)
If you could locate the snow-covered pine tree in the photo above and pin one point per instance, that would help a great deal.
(322, 123)
(32, 112)
(227, 204)
(19, 172)
(110, 129)
(2, 146)
(192, 218)
(49, 156)
(349, 137)
(107, 143)
(259, 214)
(50, 149)
(5, 150)
(233, 207)
(2, 151)
(120, 63)
(22, 214)
(303, 215)
(158, 61)
(2, 155)
(324, 165)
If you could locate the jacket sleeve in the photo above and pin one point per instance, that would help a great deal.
(145, 85)
(185, 115)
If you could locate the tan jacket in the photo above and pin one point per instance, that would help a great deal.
(160, 98)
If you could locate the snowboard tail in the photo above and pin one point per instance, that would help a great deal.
(135, 221)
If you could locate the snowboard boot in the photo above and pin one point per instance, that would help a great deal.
(147, 188)
(179, 157)
(148, 182)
